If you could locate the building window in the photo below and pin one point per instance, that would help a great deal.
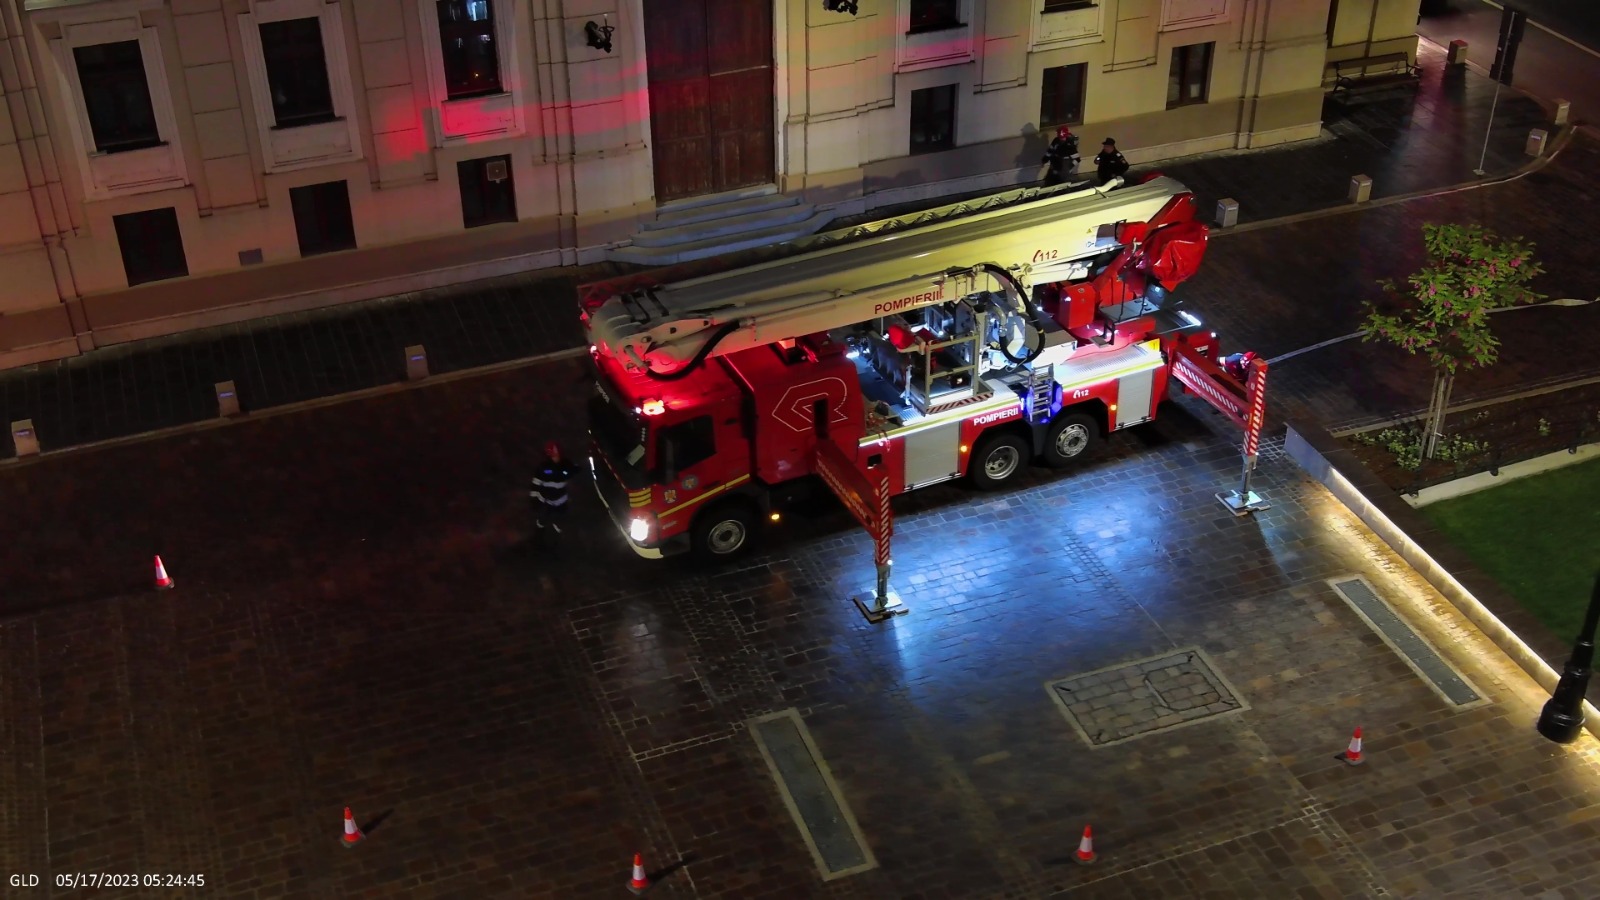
(466, 40)
(151, 244)
(322, 218)
(116, 96)
(1061, 102)
(1190, 76)
(297, 72)
(934, 15)
(933, 119)
(487, 194)
(1051, 6)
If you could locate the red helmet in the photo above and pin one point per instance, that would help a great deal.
(552, 449)
(1063, 133)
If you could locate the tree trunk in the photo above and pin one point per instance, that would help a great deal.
(1438, 406)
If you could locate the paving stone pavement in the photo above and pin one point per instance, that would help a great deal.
(1279, 289)
(359, 621)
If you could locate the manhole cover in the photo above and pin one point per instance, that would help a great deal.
(1133, 699)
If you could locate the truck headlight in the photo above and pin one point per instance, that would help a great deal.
(639, 528)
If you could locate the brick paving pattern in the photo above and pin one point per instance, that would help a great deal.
(361, 619)
(1144, 697)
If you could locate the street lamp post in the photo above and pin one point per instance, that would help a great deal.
(1562, 717)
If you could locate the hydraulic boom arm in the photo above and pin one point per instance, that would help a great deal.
(670, 345)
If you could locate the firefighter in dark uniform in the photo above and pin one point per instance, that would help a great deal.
(549, 494)
(1062, 156)
(1110, 162)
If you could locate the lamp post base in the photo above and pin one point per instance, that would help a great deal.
(1559, 725)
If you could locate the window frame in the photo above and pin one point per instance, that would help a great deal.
(1178, 73)
(1082, 99)
(311, 192)
(1055, 6)
(955, 20)
(125, 251)
(479, 166)
(928, 147)
(105, 175)
(302, 144)
(154, 139)
(453, 121)
(493, 31)
(302, 56)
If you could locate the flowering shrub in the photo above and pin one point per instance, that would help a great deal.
(1442, 310)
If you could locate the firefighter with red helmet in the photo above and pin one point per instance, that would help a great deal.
(1062, 157)
(1238, 364)
(549, 494)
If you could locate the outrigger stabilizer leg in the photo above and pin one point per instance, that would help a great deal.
(886, 604)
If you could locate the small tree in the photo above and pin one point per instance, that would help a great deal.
(1442, 310)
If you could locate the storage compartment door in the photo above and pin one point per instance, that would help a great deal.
(1133, 398)
(932, 454)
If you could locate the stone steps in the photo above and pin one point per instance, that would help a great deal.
(711, 225)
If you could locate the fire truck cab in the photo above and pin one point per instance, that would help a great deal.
(964, 347)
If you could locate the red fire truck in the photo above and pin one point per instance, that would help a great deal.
(961, 343)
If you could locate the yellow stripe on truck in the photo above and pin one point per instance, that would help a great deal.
(706, 496)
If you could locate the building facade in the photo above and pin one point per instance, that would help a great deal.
(153, 143)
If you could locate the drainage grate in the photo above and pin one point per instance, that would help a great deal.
(1412, 647)
(813, 799)
(1139, 698)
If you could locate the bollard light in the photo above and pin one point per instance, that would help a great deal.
(25, 438)
(1458, 53)
(1360, 189)
(416, 363)
(1227, 212)
(1536, 142)
(227, 400)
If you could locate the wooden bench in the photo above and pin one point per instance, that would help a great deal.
(1351, 76)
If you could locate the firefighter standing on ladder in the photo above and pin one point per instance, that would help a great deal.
(549, 494)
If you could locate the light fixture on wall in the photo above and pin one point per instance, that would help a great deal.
(844, 6)
(599, 35)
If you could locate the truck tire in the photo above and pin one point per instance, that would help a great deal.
(1071, 438)
(725, 531)
(997, 461)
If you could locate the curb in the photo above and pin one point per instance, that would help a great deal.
(296, 407)
(1471, 594)
(1483, 481)
(1563, 138)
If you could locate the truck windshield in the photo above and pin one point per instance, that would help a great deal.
(618, 437)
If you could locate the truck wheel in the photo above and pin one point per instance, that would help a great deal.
(725, 532)
(997, 460)
(1071, 437)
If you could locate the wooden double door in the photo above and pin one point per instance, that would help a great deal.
(711, 94)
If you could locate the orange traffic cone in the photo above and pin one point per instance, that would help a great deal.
(640, 880)
(1352, 754)
(163, 583)
(352, 834)
(1085, 854)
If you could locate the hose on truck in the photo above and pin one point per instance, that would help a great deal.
(699, 357)
(1032, 313)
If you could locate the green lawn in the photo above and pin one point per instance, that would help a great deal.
(1538, 536)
